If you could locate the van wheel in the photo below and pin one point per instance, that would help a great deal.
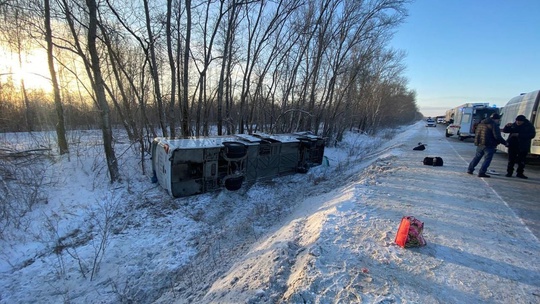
(235, 149)
(446, 133)
(234, 183)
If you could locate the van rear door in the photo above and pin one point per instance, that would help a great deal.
(466, 127)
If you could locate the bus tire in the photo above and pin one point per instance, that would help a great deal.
(234, 183)
(235, 150)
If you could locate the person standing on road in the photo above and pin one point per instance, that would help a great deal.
(488, 136)
(519, 144)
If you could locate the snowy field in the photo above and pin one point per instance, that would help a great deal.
(323, 237)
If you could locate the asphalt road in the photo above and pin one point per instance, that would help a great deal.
(521, 195)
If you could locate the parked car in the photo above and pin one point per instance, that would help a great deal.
(430, 123)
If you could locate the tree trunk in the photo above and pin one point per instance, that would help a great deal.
(222, 96)
(60, 125)
(185, 105)
(172, 65)
(154, 71)
(99, 90)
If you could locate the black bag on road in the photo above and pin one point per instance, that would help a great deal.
(433, 161)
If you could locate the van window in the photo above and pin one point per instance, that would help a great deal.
(466, 118)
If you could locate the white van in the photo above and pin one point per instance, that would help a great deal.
(465, 118)
(527, 104)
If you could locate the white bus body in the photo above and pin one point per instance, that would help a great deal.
(528, 105)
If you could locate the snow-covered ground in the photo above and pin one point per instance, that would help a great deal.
(324, 237)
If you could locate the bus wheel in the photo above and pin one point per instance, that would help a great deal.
(234, 183)
(235, 150)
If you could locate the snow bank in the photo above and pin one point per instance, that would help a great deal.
(324, 237)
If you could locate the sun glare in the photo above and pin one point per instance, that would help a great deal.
(33, 70)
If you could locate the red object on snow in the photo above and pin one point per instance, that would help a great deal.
(410, 233)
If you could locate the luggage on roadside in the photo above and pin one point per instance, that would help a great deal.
(409, 233)
(433, 161)
(420, 147)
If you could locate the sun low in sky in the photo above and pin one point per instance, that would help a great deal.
(33, 69)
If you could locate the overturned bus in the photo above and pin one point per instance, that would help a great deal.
(190, 166)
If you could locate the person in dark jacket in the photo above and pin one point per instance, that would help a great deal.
(488, 136)
(519, 144)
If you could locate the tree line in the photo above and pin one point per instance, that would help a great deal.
(180, 68)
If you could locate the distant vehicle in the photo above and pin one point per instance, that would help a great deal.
(440, 120)
(449, 117)
(528, 105)
(189, 166)
(430, 123)
(464, 119)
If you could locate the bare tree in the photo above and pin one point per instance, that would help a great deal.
(15, 39)
(281, 65)
(265, 53)
(223, 91)
(186, 131)
(208, 44)
(154, 70)
(99, 90)
(172, 67)
(60, 125)
(133, 69)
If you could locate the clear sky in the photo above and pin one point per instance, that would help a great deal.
(462, 51)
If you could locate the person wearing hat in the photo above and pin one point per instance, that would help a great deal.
(487, 137)
(519, 144)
